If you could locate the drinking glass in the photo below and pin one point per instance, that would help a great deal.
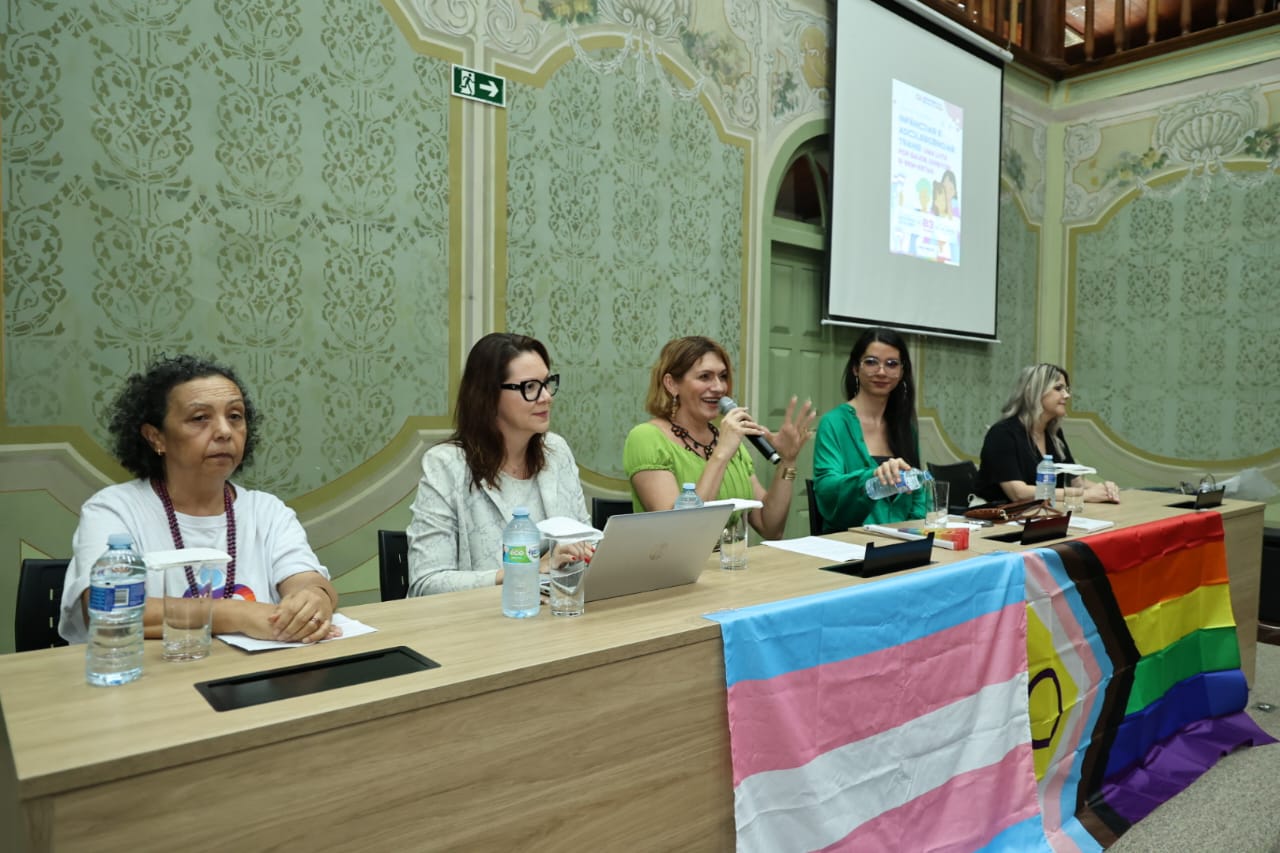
(939, 495)
(1073, 498)
(567, 590)
(733, 543)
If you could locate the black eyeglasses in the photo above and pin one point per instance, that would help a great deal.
(531, 389)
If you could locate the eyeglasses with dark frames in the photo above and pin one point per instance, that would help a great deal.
(531, 389)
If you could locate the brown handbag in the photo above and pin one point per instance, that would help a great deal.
(1013, 511)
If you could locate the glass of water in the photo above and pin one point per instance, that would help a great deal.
(733, 543)
(567, 590)
(939, 494)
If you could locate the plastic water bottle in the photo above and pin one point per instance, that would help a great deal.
(908, 481)
(117, 598)
(1046, 479)
(688, 498)
(521, 544)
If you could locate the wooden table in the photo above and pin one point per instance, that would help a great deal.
(607, 730)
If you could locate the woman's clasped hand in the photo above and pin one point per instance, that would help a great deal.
(305, 616)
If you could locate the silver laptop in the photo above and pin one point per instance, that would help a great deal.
(654, 550)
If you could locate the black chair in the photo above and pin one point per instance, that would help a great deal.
(963, 477)
(604, 508)
(35, 618)
(1269, 586)
(393, 564)
(817, 526)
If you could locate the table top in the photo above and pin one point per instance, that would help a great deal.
(64, 734)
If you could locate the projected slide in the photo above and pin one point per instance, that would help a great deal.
(926, 148)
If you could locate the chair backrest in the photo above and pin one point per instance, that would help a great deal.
(817, 526)
(35, 618)
(393, 564)
(603, 508)
(963, 477)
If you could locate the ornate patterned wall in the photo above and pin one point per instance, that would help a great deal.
(266, 182)
(625, 215)
(1173, 209)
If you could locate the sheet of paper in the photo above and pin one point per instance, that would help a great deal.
(817, 546)
(1079, 522)
(739, 504)
(567, 529)
(350, 628)
(184, 557)
(1073, 469)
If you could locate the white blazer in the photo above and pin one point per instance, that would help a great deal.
(455, 535)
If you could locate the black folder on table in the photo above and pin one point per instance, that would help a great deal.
(882, 559)
(1204, 500)
(1037, 530)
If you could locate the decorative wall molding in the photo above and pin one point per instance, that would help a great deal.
(1024, 158)
(1204, 139)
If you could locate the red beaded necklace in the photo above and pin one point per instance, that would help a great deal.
(160, 489)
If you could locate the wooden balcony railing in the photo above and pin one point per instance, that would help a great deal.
(1064, 38)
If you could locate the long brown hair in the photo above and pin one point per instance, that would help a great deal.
(677, 358)
(475, 417)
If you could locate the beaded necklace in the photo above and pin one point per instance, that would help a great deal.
(163, 492)
(692, 444)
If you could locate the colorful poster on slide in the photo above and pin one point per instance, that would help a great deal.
(925, 158)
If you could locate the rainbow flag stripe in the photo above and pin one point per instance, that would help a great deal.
(1149, 609)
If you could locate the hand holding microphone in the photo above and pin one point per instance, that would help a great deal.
(793, 435)
(760, 443)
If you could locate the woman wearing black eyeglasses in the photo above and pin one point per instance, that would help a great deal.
(873, 436)
(501, 456)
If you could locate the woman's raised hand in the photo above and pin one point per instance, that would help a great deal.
(796, 428)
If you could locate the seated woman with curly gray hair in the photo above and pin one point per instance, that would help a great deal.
(183, 427)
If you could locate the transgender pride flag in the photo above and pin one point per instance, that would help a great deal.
(886, 716)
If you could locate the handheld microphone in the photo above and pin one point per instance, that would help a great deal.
(758, 441)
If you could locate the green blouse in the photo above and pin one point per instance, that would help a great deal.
(842, 466)
(649, 449)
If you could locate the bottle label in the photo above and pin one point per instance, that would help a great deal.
(520, 553)
(105, 599)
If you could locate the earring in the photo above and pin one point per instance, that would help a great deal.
(675, 404)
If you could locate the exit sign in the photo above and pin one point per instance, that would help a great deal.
(478, 86)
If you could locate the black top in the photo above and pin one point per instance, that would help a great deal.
(1008, 453)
